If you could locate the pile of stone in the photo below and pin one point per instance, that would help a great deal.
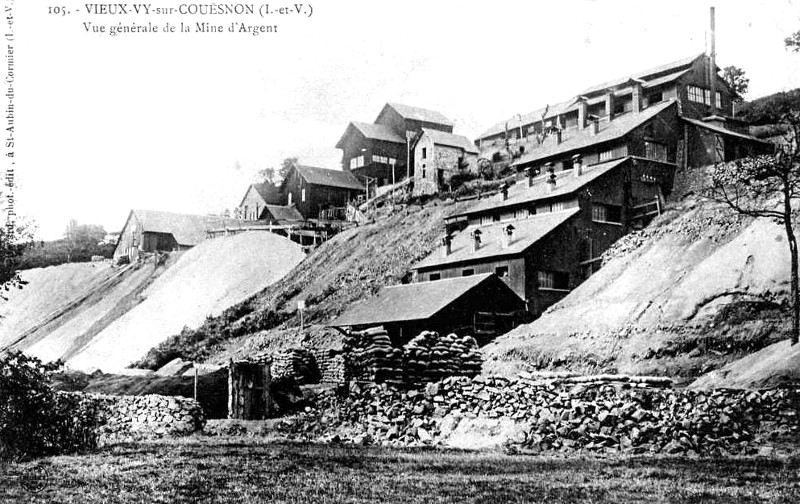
(127, 418)
(331, 364)
(597, 415)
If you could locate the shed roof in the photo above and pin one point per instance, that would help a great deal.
(331, 178)
(284, 213)
(187, 229)
(724, 131)
(566, 183)
(415, 301)
(266, 190)
(451, 140)
(418, 114)
(577, 139)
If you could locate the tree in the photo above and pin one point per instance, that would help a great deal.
(286, 165)
(736, 80)
(792, 42)
(82, 238)
(268, 175)
(14, 238)
(766, 187)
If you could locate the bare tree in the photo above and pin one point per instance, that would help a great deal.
(765, 187)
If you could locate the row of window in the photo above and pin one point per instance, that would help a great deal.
(558, 280)
(358, 161)
(607, 213)
(702, 95)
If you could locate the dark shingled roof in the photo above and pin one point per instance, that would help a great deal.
(576, 139)
(719, 129)
(643, 75)
(331, 178)
(451, 140)
(415, 301)
(419, 114)
(527, 232)
(371, 132)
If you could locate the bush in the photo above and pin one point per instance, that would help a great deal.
(35, 420)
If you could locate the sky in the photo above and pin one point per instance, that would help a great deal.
(183, 122)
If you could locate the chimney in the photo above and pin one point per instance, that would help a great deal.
(504, 190)
(577, 165)
(476, 240)
(508, 236)
(529, 176)
(558, 136)
(610, 104)
(713, 66)
(594, 125)
(551, 169)
(447, 241)
(636, 96)
(583, 112)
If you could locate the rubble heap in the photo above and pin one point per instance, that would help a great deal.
(594, 415)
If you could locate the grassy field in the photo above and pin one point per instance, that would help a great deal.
(219, 470)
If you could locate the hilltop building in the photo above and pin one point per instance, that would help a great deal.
(439, 156)
(257, 198)
(147, 231)
(384, 152)
(311, 190)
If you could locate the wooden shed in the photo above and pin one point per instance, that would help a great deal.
(249, 390)
(479, 305)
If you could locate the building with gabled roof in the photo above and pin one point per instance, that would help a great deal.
(311, 190)
(379, 153)
(545, 233)
(151, 230)
(256, 199)
(439, 156)
(445, 306)
(613, 108)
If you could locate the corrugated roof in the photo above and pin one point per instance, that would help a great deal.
(527, 232)
(451, 140)
(326, 177)
(284, 213)
(566, 183)
(416, 301)
(718, 129)
(419, 114)
(576, 139)
(187, 229)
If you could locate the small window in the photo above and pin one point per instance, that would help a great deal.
(606, 213)
(495, 218)
(302, 195)
(289, 199)
(567, 164)
(434, 276)
(424, 153)
(467, 272)
(656, 151)
(553, 280)
(501, 271)
(423, 171)
(696, 94)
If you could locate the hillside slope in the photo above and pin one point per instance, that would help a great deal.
(95, 316)
(206, 280)
(351, 266)
(699, 288)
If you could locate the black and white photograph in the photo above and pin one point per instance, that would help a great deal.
(400, 252)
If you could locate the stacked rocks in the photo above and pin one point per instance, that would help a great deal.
(595, 415)
(125, 418)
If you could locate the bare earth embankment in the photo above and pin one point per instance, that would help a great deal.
(94, 316)
(698, 289)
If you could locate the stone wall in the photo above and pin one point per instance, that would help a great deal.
(125, 418)
(609, 414)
